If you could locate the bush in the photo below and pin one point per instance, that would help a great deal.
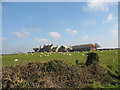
(113, 71)
(92, 58)
(54, 74)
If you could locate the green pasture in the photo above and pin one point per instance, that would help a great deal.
(106, 57)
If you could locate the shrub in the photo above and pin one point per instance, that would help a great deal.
(92, 58)
(55, 74)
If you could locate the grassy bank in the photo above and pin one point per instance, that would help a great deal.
(59, 74)
(106, 57)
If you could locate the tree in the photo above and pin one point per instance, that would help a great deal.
(92, 58)
(35, 49)
(97, 45)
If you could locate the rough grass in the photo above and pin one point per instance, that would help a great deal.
(56, 74)
(106, 57)
(44, 72)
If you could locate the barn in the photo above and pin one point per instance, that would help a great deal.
(84, 47)
(80, 48)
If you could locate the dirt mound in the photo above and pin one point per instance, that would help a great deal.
(54, 74)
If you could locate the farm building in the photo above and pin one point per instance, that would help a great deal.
(52, 48)
(85, 47)
(64, 49)
(48, 48)
(108, 49)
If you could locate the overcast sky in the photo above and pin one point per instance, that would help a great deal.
(30, 24)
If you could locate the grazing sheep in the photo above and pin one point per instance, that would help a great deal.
(42, 53)
(63, 53)
(69, 54)
(82, 54)
(26, 54)
(16, 60)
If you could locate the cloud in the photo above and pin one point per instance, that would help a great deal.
(25, 32)
(88, 22)
(110, 18)
(3, 39)
(22, 34)
(100, 36)
(42, 40)
(71, 31)
(22, 48)
(114, 31)
(31, 29)
(96, 5)
(85, 38)
(54, 34)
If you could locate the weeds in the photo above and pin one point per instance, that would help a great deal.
(57, 74)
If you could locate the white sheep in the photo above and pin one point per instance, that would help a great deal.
(16, 60)
(40, 55)
(82, 54)
(63, 53)
(26, 54)
(69, 54)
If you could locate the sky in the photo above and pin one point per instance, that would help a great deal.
(26, 25)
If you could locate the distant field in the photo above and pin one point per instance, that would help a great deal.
(106, 57)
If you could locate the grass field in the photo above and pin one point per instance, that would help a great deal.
(106, 57)
(32, 72)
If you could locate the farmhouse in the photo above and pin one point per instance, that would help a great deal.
(52, 48)
(48, 48)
